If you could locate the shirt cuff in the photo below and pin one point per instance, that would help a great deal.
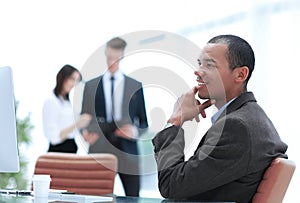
(135, 132)
(168, 125)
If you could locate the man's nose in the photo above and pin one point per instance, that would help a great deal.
(200, 73)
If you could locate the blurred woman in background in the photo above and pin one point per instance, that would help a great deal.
(59, 123)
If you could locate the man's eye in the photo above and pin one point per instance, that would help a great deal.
(199, 62)
(209, 66)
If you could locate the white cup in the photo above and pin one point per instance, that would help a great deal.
(41, 184)
(40, 200)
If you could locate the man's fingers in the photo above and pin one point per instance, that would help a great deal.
(197, 119)
(207, 104)
(204, 106)
(203, 114)
(195, 90)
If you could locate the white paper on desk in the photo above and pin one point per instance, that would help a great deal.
(57, 191)
(78, 198)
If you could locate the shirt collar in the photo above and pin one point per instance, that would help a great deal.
(215, 117)
(118, 75)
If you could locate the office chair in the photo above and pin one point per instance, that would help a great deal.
(91, 174)
(275, 181)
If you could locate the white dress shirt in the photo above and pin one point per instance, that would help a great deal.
(57, 115)
(119, 83)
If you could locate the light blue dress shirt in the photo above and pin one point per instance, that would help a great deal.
(215, 117)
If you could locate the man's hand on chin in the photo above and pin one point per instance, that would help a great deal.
(187, 107)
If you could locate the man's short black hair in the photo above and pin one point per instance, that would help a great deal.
(239, 52)
(116, 43)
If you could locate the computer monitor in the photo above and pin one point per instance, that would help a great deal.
(9, 157)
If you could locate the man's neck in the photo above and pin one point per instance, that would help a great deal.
(222, 101)
(113, 70)
(117, 74)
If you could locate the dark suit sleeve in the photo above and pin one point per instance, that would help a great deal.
(142, 123)
(84, 106)
(222, 157)
(87, 100)
(88, 104)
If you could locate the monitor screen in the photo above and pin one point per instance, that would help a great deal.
(9, 157)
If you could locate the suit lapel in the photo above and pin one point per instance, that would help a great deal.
(126, 97)
(238, 102)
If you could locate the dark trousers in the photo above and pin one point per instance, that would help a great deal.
(68, 146)
(131, 184)
(122, 148)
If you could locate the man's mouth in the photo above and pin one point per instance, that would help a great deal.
(201, 84)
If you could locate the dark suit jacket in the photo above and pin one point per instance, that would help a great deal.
(133, 112)
(229, 161)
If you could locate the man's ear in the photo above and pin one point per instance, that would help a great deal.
(241, 73)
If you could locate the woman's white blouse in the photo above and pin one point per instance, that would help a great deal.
(57, 115)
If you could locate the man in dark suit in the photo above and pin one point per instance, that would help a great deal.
(116, 101)
(231, 158)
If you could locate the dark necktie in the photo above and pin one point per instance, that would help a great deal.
(112, 97)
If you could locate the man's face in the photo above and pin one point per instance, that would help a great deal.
(113, 57)
(215, 79)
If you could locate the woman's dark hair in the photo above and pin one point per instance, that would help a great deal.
(65, 72)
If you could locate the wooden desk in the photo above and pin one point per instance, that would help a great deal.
(116, 199)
